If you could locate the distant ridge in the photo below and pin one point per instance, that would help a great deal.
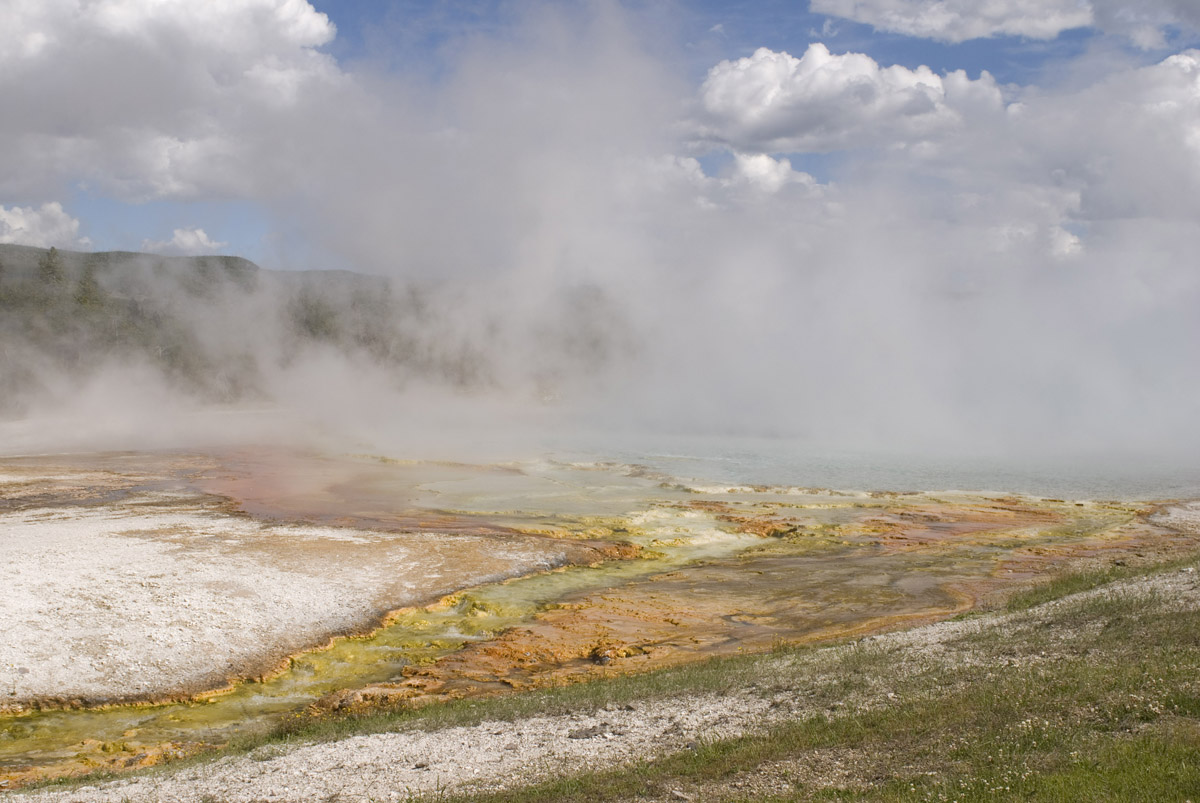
(217, 327)
(23, 259)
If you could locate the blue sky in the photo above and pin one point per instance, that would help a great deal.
(407, 35)
(411, 33)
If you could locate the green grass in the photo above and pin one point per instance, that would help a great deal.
(1111, 711)
(1077, 581)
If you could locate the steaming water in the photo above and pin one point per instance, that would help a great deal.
(783, 462)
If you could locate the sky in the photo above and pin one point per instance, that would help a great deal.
(142, 125)
(955, 220)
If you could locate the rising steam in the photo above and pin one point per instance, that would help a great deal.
(559, 229)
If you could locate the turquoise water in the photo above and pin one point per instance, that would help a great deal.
(765, 461)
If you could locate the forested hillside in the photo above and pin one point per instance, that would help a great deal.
(215, 327)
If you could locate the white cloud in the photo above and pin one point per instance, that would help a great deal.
(1143, 22)
(774, 102)
(1126, 147)
(43, 227)
(750, 182)
(233, 25)
(155, 98)
(184, 241)
(959, 20)
(767, 174)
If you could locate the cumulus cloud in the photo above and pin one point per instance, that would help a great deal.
(42, 227)
(774, 102)
(1125, 147)
(768, 174)
(184, 241)
(1143, 22)
(165, 99)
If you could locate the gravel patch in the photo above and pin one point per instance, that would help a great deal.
(1185, 517)
(490, 755)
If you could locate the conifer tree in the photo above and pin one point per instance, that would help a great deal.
(50, 269)
(88, 291)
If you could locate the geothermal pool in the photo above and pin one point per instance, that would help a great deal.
(159, 604)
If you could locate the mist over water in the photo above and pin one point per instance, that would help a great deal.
(708, 461)
(988, 287)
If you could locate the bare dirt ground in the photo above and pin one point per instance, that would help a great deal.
(494, 755)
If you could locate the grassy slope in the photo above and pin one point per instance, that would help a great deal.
(1097, 698)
